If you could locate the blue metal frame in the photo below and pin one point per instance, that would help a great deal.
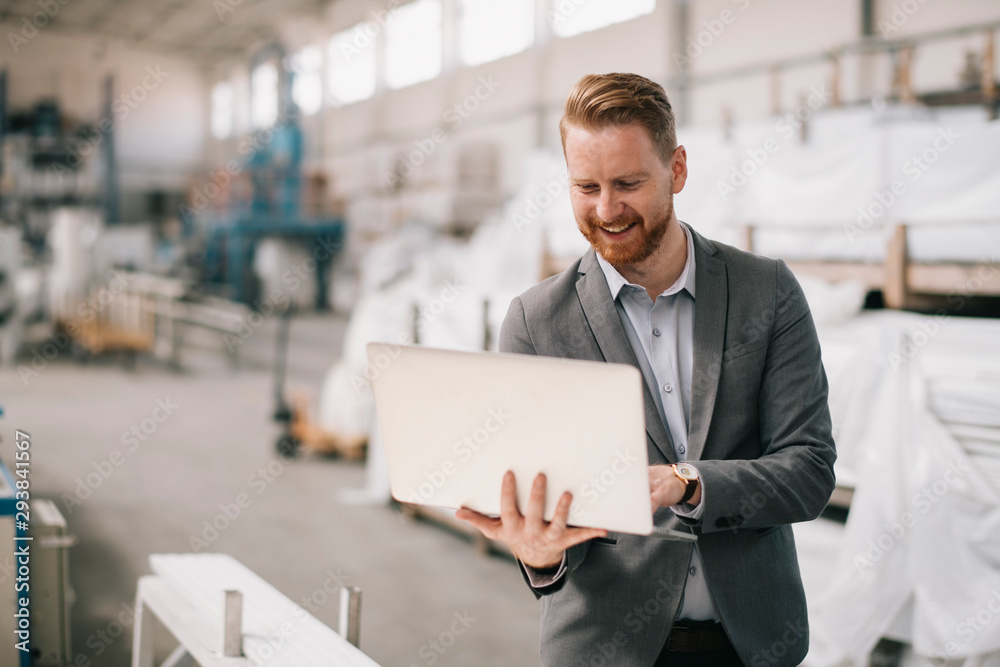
(240, 239)
(8, 503)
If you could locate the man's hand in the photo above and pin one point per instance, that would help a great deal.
(666, 489)
(536, 543)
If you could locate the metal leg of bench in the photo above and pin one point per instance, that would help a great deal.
(180, 658)
(144, 635)
(232, 639)
(349, 626)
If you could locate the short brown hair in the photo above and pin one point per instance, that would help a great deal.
(600, 100)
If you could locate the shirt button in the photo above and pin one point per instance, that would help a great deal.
(656, 332)
(668, 388)
(693, 570)
(682, 449)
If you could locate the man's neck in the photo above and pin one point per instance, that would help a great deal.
(661, 269)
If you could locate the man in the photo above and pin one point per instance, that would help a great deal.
(735, 387)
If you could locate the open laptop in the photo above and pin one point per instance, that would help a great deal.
(453, 422)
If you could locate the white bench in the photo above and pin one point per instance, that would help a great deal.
(187, 594)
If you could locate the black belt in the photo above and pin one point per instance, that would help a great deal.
(697, 638)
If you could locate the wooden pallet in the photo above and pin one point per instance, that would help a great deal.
(312, 437)
(904, 284)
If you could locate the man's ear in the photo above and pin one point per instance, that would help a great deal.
(679, 169)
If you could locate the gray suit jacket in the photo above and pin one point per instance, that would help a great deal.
(760, 432)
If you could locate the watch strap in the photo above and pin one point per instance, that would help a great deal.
(689, 489)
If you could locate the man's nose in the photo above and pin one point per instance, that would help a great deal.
(609, 206)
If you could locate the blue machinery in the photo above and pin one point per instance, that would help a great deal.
(274, 209)
(232, 247)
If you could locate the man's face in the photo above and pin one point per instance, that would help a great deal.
(622, 193)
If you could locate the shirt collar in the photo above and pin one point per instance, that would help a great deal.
(617, 282)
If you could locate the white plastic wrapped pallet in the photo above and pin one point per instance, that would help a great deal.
(72, 237)
(920, 560)
(804, 197)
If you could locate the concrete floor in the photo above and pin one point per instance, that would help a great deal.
(295, 534)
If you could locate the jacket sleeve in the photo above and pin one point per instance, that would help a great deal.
(793, 478)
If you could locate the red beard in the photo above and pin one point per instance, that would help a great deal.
(635, 245)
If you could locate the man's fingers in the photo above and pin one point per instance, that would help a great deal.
(561, 515)
(488, 526)
(536, 503)
(466, 514)
(509, 513)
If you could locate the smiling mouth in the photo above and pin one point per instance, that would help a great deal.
(619, 230)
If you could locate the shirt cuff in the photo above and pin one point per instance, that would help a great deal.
(689, 511)
(538, 580)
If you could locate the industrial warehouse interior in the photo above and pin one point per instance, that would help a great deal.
(209, 211)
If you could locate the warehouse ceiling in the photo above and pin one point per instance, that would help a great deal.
(195, 29)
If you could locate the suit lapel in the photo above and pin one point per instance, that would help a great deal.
(710, 311)
(602, 315)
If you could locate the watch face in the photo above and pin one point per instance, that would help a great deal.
(686, 471)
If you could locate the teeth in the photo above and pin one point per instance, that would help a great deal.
(615, 230)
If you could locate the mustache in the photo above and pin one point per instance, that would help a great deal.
(621, 221)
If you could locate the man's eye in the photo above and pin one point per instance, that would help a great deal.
(589, 187)
(629, 184)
